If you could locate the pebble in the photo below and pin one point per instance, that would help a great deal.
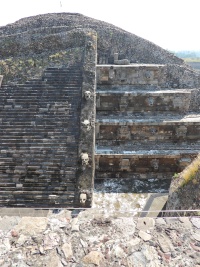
(75, 225)
(14, 233)
(137, 259)
(94, 257)
(118, 252)
(145, 224)
(145, 236)
(67, 250)
(160, 221)
(165, 243)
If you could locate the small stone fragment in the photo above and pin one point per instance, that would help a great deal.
(64, 262)
(75, 228)
(119, 252)
(94, 257)
(67, 250)
(137, 259)
(196, 222)
(133, 242)
(145, 224)
(41, 250)
(54, 260)
(22, 239)
(14, 233)
(75, 225)
(144, 235)
(165, 244)
(160, 221)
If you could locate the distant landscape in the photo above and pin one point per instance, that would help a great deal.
(190, 57)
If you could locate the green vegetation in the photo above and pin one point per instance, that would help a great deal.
(20, 69)
(176, 175)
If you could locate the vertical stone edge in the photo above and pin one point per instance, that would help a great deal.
(86, 149)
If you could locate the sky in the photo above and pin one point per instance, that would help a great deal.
(171, 24)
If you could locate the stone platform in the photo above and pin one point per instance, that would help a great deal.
(145, 127)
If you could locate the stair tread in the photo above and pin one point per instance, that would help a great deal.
(136, 91)
(147, 118)
(148, 149)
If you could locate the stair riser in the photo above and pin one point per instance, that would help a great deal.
(143, 164)
(132, 175)
(143, 103)
(148, 132)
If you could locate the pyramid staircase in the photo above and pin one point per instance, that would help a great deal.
(143, 129)
(39, 139)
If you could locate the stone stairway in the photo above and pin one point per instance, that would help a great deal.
(39, 139)
(144, 129)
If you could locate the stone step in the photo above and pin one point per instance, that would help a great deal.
(107, 175)
(35, 88)
(40, 204)
(64, 75)
(140, 74)
(143, 101)
(41, 185)
(143, 160)
(145, 127)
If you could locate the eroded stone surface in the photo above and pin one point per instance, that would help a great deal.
(145, 224)
(31, 225)
(94, 257)
(100, 241)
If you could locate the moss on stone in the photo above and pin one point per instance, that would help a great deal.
(191, 173)
(20, 69)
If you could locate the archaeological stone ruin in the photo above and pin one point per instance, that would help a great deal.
(82, 100)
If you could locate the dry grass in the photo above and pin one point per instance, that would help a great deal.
(191, 172)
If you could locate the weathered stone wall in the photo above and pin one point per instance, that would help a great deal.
(184, 191)
(195, 101)
(151, 76)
